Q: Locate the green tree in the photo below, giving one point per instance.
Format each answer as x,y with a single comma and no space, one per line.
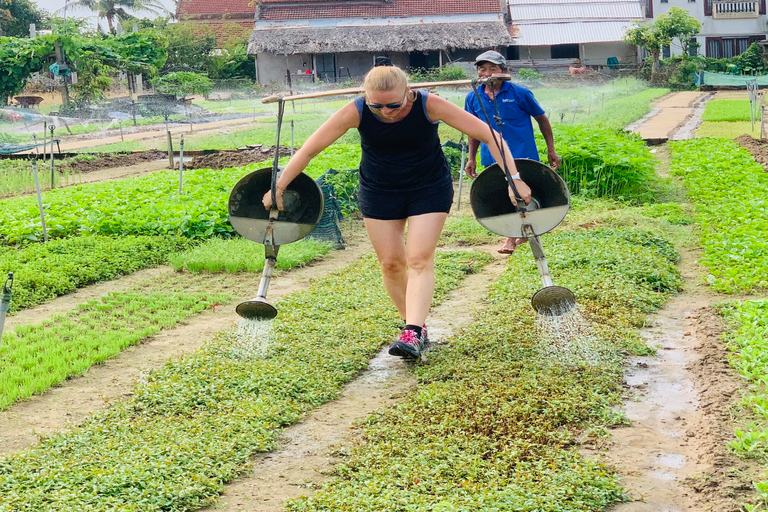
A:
17,15
676,24
113,10
182,83
187,51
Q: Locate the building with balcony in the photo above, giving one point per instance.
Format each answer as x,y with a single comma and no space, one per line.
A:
728,27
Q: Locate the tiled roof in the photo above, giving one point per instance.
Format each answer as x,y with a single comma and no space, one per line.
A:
273,10
197,8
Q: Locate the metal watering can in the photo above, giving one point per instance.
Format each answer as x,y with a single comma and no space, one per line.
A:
303,208
550,202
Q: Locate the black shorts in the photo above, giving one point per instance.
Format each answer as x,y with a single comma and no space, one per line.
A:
401,205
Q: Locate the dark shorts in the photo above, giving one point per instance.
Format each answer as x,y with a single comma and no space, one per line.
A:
401,205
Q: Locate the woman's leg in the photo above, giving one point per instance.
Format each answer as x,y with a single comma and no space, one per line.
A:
423,234
387,238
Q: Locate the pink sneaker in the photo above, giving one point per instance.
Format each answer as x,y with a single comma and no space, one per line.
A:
409,345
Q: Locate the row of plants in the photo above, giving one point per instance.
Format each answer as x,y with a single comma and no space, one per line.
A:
747,324
500,414
194,424
728,188
45,271
145,205
36,356
601,162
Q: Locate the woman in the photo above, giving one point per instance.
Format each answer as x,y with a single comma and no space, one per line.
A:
404,179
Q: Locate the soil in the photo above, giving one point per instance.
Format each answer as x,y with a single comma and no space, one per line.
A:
683,402
224,159
112,161
758,148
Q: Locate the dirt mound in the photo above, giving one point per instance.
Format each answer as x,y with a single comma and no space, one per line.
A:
758,148
111,161
224,159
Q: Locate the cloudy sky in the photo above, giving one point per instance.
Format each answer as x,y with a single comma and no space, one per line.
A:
54,5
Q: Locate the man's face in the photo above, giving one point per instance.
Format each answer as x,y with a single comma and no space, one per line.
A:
486,69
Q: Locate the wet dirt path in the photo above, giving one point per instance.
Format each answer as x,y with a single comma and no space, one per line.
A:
681,403
309,449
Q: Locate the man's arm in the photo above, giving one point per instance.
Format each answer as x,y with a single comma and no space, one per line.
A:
546,130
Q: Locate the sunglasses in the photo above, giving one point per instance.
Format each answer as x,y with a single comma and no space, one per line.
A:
379,106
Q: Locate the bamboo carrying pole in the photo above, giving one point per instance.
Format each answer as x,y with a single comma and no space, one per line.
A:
356,90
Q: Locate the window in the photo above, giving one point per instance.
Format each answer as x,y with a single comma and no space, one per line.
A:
665,52
564,51
693,47
727,47
513,53
664,1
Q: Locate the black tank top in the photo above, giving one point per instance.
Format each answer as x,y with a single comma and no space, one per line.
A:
402,155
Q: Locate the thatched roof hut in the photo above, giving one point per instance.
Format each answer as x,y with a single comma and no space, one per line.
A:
373,38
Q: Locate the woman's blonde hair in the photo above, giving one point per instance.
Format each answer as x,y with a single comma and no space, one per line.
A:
385,78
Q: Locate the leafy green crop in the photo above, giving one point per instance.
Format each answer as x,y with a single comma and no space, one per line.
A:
194,424
146,205
45,271
729,190
604,163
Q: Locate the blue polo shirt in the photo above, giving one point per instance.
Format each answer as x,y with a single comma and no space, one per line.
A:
516,107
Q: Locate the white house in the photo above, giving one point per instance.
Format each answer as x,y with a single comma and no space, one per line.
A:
728,27
554,33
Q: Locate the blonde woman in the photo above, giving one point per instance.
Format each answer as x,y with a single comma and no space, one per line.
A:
404,180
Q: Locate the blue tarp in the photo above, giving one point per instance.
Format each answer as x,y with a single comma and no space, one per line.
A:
7,148
722,79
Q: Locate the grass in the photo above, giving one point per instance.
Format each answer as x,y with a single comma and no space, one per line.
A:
726,110
194,424
241,255
727,129
17,177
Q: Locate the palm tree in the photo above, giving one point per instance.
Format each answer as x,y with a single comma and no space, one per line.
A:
116,9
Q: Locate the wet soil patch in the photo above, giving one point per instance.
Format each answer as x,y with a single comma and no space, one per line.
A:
758,148
727,485
225,159
110,161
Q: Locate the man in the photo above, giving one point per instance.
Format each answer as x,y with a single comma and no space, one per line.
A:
516,105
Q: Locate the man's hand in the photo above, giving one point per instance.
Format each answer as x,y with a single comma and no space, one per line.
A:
471,168
554,159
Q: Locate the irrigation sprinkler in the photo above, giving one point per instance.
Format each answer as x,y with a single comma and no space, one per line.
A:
461,167
45,138
5,301
39,200
53,184
292,138
181,164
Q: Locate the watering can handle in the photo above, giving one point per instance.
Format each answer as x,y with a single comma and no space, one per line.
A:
8,283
